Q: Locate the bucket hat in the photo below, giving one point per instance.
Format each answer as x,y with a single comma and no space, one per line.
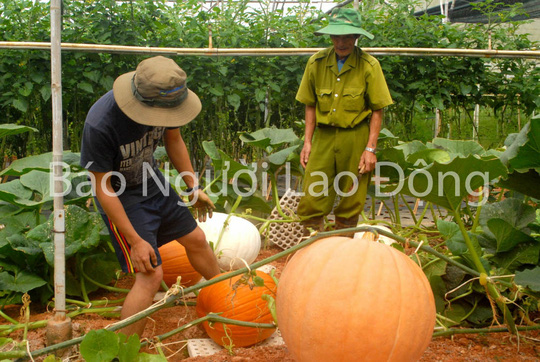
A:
342,22
156,94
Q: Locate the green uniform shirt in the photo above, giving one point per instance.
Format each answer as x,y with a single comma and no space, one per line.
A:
346,98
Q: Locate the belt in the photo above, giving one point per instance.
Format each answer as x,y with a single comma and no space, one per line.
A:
323,125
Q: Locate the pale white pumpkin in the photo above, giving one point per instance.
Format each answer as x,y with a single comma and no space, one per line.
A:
240,241
381,238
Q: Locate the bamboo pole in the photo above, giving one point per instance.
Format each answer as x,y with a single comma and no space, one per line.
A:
103,48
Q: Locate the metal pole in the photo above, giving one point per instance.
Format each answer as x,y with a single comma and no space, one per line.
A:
59,217
59,327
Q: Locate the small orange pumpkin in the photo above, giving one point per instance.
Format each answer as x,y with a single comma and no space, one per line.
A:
237,298
175,262
344,299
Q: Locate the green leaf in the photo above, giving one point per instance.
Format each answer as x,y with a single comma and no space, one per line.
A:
211,150
27,246
465,88
41,162
457,313
522,254
23,281
258,281
454,238
217,90
271,302
45,92
516,213
459,147
21,104
386,135
101,267
447,184
147,357
529,278
40,182
506,235
129,349
82,232
85,86
394,159
10,129
14,190
434,272
409,148
234,100
430,155
524,152
269,137
280,157
8,297
99,345
525,183
26,89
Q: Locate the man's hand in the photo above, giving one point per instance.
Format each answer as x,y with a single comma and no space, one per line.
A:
202,204
304,155
143,256
367,162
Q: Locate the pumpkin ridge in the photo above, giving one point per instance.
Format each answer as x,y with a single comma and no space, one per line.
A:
298,269
244,303
363,255
333,250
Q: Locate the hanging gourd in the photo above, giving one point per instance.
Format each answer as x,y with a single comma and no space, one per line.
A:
240,240
345,299
241,299
379,237
175,262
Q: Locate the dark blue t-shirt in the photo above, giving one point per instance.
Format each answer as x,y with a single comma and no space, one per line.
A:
113,142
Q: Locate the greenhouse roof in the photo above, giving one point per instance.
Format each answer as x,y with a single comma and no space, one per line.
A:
463,12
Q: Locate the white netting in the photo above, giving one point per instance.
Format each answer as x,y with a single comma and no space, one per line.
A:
287,234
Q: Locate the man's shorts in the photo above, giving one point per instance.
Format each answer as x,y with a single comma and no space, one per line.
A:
158,220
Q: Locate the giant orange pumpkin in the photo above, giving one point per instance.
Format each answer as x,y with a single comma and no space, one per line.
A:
237,298
175,262
344,299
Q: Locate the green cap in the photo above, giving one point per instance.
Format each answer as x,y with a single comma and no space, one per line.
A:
344,21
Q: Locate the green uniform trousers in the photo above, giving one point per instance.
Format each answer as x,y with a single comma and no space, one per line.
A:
331,171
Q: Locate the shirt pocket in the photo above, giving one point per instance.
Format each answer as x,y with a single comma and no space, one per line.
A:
353,99
324,99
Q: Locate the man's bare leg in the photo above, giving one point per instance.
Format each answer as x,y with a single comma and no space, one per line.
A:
139,298
200,253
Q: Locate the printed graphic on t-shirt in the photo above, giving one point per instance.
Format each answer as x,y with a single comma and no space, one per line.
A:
136,153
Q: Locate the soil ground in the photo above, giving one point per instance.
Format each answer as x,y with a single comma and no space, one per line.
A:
466,347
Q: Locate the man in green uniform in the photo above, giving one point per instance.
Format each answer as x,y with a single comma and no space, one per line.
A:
344,91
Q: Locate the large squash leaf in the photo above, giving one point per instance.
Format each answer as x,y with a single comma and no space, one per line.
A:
269,137
447,184
523,149
459,147
13,191
514,212
82,232
41,162
529,278
10,129
23,281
